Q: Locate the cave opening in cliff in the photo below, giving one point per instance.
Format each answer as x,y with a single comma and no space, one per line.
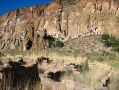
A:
29,45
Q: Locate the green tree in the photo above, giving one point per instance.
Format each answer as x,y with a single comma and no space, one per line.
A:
110,41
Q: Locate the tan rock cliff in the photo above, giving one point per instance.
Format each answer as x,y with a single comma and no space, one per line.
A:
25,28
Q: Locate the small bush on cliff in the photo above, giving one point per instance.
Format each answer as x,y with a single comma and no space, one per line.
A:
110,41
106,39
59,43
53,42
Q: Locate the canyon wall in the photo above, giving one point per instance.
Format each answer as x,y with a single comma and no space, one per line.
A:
24,29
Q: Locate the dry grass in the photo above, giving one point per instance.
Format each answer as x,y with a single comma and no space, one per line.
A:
7,85
89,78
114,84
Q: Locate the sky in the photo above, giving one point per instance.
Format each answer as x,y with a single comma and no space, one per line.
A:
9,5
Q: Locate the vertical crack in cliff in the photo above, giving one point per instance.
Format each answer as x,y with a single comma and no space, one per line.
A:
59,18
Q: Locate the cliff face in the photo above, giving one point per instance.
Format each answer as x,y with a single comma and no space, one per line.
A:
25,28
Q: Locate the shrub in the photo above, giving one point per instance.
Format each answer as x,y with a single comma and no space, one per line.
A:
82,68
69,72
59,43
106,39
53,42
116,49
110,41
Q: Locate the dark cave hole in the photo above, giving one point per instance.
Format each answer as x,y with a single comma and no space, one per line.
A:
29,45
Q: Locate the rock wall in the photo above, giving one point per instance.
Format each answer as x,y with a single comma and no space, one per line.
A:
24,29
87,17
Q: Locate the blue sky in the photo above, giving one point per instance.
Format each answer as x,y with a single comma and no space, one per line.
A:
9,5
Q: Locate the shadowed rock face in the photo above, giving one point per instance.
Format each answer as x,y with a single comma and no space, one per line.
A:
25,39
18,74
56,76
1,54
